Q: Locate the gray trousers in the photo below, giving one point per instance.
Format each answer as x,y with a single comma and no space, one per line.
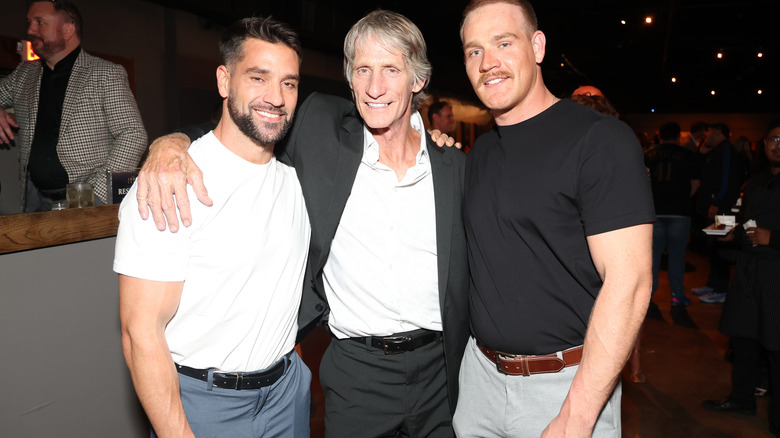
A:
279,410
369,394
491,404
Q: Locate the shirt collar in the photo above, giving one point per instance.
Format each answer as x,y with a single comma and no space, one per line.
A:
65,64
371,147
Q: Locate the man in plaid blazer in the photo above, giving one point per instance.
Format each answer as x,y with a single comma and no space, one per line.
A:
94,127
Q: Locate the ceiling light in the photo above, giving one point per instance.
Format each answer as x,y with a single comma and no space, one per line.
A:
648,20
712,92
760,54
719,55
760,91
674,80
622,21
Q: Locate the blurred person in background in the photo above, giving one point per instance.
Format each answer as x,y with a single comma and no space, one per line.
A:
82,121
440,117
751,313
696,137
674,179
722,176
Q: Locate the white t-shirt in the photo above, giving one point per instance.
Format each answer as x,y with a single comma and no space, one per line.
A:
242,262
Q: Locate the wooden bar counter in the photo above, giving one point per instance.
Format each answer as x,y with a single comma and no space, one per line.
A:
21,232
62,371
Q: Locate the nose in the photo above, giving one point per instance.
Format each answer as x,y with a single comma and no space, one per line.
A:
375,87
275,96
488,61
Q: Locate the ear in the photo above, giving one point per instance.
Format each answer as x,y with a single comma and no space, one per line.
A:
539,42
68,30
418,86
223,81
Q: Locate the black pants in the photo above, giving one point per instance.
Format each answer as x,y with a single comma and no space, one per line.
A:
371,394
747,355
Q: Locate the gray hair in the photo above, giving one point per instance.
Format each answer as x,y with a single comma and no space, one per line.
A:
396,33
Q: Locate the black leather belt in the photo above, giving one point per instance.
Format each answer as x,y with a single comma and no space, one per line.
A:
395,344
236,381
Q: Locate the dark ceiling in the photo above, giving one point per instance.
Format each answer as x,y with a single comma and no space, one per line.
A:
633,63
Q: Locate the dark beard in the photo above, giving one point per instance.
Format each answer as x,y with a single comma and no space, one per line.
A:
49,48
250,128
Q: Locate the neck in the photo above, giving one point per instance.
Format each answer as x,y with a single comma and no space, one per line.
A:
51,61
398,145
235,141
534,104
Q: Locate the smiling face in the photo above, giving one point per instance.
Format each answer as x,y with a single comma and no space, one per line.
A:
261,90
46,30
502,57
382,86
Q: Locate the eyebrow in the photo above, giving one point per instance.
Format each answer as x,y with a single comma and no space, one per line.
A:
265,71
492,39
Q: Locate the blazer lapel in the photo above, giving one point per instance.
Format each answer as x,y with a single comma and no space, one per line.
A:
34,82
78,78
444,187
350,152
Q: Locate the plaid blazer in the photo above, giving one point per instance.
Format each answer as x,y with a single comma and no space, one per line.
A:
101,128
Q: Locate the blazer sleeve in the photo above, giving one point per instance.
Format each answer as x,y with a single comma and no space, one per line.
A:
124,124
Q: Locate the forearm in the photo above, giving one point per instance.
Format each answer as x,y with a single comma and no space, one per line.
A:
614,324
156,383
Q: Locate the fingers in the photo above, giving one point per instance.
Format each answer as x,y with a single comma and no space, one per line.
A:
142,194
6,124
195,179
458,145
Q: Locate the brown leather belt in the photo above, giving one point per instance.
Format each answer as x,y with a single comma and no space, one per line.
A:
520,365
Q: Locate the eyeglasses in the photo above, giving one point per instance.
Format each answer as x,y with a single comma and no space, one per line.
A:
772,140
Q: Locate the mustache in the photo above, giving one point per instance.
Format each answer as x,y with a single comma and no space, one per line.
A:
501,74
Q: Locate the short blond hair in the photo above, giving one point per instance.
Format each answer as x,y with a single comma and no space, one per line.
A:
532,24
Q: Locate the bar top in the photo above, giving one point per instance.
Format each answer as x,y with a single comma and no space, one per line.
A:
22,232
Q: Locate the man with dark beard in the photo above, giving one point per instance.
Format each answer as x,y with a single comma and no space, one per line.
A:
76,114
209,314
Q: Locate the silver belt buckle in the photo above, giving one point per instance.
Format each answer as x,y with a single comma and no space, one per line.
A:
393,339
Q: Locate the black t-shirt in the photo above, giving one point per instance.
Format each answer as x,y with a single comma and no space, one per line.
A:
534,192
672,167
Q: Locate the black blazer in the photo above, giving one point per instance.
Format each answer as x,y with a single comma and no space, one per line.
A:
325,146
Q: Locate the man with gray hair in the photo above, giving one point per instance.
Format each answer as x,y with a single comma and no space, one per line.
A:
388,248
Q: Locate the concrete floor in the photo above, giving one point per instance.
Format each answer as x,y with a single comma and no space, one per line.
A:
682,356
683,359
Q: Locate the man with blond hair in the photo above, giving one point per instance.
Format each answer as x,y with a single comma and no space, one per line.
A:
558,216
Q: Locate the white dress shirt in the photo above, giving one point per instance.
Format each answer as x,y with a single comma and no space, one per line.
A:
381,276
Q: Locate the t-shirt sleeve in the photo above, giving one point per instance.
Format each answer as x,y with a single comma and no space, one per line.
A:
614,189
144,252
